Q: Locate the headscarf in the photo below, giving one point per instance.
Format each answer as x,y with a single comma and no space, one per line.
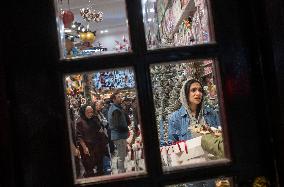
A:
185,102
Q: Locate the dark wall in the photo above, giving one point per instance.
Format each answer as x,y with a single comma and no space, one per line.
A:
273,70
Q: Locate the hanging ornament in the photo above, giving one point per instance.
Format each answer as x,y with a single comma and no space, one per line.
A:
90,14
83,36
188,22
68,18
90,37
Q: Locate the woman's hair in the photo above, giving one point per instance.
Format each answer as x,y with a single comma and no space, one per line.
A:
187,90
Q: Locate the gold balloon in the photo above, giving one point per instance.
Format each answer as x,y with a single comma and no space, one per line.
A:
83,36
90,37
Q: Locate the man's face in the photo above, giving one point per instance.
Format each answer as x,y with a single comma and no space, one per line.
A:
99,105
118,99
89,112
195,94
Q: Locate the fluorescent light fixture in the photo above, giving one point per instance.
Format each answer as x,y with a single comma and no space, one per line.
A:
106,30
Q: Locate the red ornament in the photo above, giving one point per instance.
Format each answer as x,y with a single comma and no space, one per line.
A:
68,18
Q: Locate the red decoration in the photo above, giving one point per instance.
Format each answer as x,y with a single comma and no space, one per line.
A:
68,18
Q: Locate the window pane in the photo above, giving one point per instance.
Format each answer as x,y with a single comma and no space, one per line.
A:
104,125
172,23
186,98
221,182
92,27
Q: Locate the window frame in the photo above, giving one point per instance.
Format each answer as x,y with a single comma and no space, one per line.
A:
140,59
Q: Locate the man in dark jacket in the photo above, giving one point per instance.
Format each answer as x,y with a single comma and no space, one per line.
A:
119,129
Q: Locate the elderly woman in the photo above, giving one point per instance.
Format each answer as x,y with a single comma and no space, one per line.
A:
192,113
92,141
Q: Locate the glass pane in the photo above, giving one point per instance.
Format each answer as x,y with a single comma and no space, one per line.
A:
92,27
187,98
104,125
172,23
220,182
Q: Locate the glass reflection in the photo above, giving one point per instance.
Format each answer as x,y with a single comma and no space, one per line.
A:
172,23
92,27
103,116
187,112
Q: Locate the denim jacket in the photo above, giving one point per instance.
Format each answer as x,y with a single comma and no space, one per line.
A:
179,122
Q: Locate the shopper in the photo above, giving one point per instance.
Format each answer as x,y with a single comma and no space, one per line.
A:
74,144
119,129
103,120
191,114
92,141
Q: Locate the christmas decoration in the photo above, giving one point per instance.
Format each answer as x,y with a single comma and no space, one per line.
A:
187,22
261,181
166,84
90,14
122,46
67,17
90,37
83,36
222,182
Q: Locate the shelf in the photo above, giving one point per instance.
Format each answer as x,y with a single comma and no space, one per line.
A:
178,15
186,11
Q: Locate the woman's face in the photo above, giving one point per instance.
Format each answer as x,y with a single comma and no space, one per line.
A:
195,94
89,112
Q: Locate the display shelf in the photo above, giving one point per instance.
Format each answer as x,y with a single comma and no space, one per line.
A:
186,11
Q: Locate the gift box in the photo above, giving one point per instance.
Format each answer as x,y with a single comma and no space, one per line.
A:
194,147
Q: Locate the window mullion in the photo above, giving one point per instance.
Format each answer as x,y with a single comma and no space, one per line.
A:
136,26
152,151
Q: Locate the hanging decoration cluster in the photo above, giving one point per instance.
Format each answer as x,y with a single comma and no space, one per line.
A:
90,14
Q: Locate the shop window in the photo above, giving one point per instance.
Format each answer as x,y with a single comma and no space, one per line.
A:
188,113
104,125
173,23
220,182
92,27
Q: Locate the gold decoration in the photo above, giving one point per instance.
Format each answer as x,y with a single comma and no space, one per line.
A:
261,181
90,37
223,182
83,36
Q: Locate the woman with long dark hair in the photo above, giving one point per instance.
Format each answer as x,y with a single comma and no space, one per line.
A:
192,113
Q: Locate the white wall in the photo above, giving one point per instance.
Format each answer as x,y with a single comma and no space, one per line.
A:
108,39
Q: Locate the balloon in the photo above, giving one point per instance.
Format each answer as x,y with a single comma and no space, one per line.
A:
68,18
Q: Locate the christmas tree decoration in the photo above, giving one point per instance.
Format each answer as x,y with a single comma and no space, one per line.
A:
122,46
90,14
90,37
68,18
166,84
83,36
